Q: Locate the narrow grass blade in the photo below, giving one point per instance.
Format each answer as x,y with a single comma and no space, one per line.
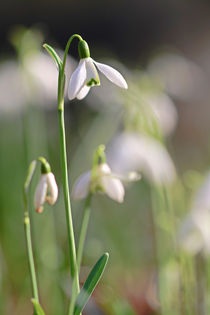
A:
90,283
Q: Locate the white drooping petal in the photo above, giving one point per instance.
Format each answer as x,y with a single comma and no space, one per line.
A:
113,188
202,198
164,110
189,236
40,193
83,92
52,189
133,152
92,77
77,80
104,169
202,222
82,186
113,75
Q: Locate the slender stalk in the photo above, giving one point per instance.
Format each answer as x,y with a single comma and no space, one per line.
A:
64,168
71,240
83,231
81,242
27,229
67,49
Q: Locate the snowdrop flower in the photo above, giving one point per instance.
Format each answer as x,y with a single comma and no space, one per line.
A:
142,154
102,179
47,189
86,74
194,233
164,110
181,77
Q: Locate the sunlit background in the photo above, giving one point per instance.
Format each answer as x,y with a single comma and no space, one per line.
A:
159,127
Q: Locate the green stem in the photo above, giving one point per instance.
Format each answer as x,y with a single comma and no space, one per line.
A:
71,240
27,227
81,242
67,49
83,231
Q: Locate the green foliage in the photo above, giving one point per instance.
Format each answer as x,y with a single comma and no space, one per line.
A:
90,283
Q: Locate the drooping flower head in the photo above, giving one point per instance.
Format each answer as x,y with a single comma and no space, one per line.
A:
47,189
102,180
86,75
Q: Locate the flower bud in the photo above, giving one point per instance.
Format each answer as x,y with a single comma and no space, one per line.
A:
47,189
83,49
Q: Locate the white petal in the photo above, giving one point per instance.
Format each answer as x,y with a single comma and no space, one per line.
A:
52,189
92,74
81,187
77,80
112,74
83,92
104,169
189,236
113,188
40,193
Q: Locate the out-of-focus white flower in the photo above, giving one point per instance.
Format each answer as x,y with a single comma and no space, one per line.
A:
194,233
104,181
33,83
86,76
202,198
143,154
164,110
46,191
181,77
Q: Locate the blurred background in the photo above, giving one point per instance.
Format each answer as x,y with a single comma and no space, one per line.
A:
162,48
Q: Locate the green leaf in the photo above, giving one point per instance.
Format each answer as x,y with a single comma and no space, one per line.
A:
37,308
90,283
54,55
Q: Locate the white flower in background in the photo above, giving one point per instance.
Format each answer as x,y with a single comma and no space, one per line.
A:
143,154
46,191
103,181
86,74
164,111
181,77
194,233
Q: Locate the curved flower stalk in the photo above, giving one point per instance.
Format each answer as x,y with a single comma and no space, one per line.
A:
194,232
86,74
144,155
102,180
